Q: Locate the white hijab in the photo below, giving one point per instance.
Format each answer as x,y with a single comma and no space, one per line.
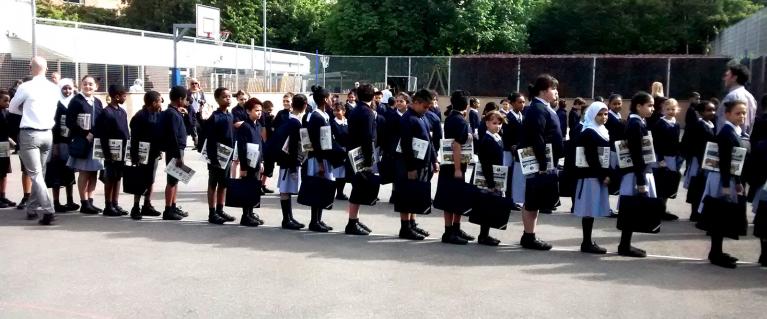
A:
589,120
64,82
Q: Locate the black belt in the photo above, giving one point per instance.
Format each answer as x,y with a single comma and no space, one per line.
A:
33,129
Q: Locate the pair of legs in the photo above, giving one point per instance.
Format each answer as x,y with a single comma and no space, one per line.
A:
718,257
216,196
409,228
171,212
288,222
588,245
112,197
453,233
354,226
86,184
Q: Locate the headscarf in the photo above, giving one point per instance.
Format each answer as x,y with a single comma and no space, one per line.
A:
589,120
65,99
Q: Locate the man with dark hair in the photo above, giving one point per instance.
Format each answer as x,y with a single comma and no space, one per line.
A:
174,143
734,79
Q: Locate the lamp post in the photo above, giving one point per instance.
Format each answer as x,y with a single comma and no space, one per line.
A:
34,23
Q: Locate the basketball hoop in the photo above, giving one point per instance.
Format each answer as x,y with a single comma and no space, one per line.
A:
222,37
325,60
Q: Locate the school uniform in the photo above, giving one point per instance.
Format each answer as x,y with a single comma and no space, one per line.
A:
289,179
512,136
5,132
340,130
62,175
697,134
363,131
414,125
490,152
219,131
617,129
193,119
641,173
665,135
113,125
481,130
591,194
267,122
474,120
562,115
239,114
317,157
729,137
173,137
281,117
573,120
456,128
434,120
83,105
145,127
541,127
249,133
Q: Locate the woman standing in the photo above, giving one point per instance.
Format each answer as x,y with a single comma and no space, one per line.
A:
82,114
591,194
638,180
62,175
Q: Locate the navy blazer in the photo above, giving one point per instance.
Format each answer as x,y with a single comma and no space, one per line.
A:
391,131
340,133
413,125
362,131
666,139
218,130
145,127
315,122
174,132
590,140
727,139
61,110
573,119
434,120
112,124
636,129
562,114
249,133
512,132
617,129
239,114
78,105
490,153
541,127
281,117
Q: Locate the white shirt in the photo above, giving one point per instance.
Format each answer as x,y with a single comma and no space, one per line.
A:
738,94
36,101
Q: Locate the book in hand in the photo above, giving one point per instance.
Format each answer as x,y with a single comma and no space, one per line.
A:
84,121
420,147
357,160
5,149
223,154
183,173
711,159
63,126
116,150
306,144
253,153
580,157
624,155
326,138
128,159
500,176
446,149
98,152
143,153
530,164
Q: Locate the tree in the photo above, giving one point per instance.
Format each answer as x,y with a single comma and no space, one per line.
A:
633,26
158,16
47,9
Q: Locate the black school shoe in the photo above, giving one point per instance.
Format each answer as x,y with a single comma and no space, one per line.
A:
410,234
148,210
317,227
529,241
216,218
763,260
452,237
110,211
592,248
88,209
120,210
669,217
10,203
72,207
325,225
363,226
180,212
418,230
58,208
291,225
631,251
267,190
355,229
462,234
135,213
249,220
22,203
171,214
226,216
723,260
47,220
488,241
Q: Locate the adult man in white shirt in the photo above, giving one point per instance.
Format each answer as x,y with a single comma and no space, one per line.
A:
36,102
735,78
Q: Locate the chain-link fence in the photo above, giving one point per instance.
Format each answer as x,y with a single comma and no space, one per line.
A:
122,56
745,39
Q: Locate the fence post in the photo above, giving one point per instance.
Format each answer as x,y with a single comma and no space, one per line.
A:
236,66
519,73
668,78
593,76
386,71
106,76
409,62
449,74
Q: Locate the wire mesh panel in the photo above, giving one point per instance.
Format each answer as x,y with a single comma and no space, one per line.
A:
430,73
343,71
627,75
697,75
484,76
573,73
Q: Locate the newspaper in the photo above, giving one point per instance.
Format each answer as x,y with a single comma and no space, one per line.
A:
624,156
420,147
326,138
128,159
530,163
223,154
143,153
467,151
204,152
235,154
84,121
580,157
63,126
116,150
254,152
306,144
357,160
98,153
5,149
711,159
500,176
183,173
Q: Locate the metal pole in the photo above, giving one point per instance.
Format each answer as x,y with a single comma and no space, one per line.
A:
263,7
668,78
253,56
386,71
519,73
236,66
34,24
593,76
317,63
449,74
409,65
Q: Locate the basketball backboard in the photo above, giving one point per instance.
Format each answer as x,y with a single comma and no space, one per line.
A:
208,22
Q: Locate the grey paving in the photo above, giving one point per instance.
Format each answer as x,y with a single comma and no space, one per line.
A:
99,267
